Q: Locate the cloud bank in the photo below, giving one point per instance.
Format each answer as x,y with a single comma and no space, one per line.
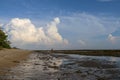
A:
22,32
87,25
82,30
96,32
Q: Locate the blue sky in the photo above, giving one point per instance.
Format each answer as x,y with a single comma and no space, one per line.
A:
46,8
79,24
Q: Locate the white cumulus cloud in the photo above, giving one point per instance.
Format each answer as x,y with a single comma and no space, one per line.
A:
23,31
111,38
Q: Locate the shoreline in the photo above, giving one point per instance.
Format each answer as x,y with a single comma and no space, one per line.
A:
11,57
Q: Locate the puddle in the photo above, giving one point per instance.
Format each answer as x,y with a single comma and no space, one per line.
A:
42,66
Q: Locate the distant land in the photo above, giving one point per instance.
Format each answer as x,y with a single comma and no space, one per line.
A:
85,52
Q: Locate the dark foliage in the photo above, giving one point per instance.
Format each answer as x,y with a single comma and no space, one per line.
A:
4,43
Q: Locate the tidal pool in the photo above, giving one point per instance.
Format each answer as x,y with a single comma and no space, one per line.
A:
44,66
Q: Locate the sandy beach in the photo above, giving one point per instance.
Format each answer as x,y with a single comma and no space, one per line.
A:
11,57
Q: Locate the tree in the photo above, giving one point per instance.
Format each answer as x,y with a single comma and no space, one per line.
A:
4,43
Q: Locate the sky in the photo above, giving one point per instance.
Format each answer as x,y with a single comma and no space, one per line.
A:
61,24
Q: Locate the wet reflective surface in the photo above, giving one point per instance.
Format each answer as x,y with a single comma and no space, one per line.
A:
43,66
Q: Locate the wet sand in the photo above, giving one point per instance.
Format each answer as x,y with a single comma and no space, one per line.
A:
11,57
45,66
